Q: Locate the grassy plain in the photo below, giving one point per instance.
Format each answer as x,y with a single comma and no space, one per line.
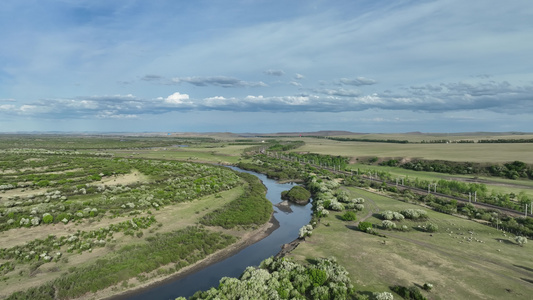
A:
419,137
496,268
171,218
492,153
224,154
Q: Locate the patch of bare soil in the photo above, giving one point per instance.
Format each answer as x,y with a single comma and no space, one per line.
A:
126,179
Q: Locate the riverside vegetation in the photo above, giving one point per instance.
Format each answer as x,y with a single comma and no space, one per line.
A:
82,203
348,223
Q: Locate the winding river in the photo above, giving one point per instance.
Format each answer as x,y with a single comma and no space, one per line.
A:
290,219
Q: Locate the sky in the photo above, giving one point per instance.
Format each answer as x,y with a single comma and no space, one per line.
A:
266,66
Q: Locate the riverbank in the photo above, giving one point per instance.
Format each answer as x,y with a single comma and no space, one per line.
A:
120,292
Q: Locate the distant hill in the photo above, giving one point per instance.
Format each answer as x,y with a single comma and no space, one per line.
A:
313,133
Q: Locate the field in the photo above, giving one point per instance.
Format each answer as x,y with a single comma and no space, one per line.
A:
496,153
464,259
63,211
68,202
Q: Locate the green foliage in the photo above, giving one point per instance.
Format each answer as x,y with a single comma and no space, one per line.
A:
318,277
430,227
349,216
296,194
251,208
281,278
47,218
427,286
410,293
363,226
184,246
511,170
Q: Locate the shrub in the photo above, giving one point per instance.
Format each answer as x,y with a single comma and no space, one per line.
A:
383,296
386,215
296,194
408,293
48,218
414,214
520,240
364,226
386,224
305,231
349,216
430,227
427,286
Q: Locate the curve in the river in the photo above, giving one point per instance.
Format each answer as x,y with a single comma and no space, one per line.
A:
290,221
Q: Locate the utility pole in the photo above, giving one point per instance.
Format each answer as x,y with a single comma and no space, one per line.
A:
429,186
526,211
469,197
475,196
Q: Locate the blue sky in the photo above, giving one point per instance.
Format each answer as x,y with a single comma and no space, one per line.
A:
266,66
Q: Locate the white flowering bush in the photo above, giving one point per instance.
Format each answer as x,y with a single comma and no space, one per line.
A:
387,224
386,215
305,231
414,214
430,227
358,200
382,296
521,240
337,206
359,207
392,215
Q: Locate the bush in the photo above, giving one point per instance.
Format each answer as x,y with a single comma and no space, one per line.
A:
414,214
427,286
364,226
349,216
520,240
430,227
412,293
48,218
296,194
383,296
386,224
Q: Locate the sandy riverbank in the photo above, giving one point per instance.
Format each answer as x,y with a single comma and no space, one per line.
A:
118,292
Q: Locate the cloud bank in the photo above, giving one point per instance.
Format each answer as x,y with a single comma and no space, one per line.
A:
446,97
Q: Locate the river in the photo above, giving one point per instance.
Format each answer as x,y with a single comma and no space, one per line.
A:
290,219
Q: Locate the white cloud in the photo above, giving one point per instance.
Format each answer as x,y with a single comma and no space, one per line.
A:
177,98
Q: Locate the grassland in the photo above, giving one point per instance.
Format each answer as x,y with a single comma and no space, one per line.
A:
494,153
85,207
458,268
220,154
496,268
